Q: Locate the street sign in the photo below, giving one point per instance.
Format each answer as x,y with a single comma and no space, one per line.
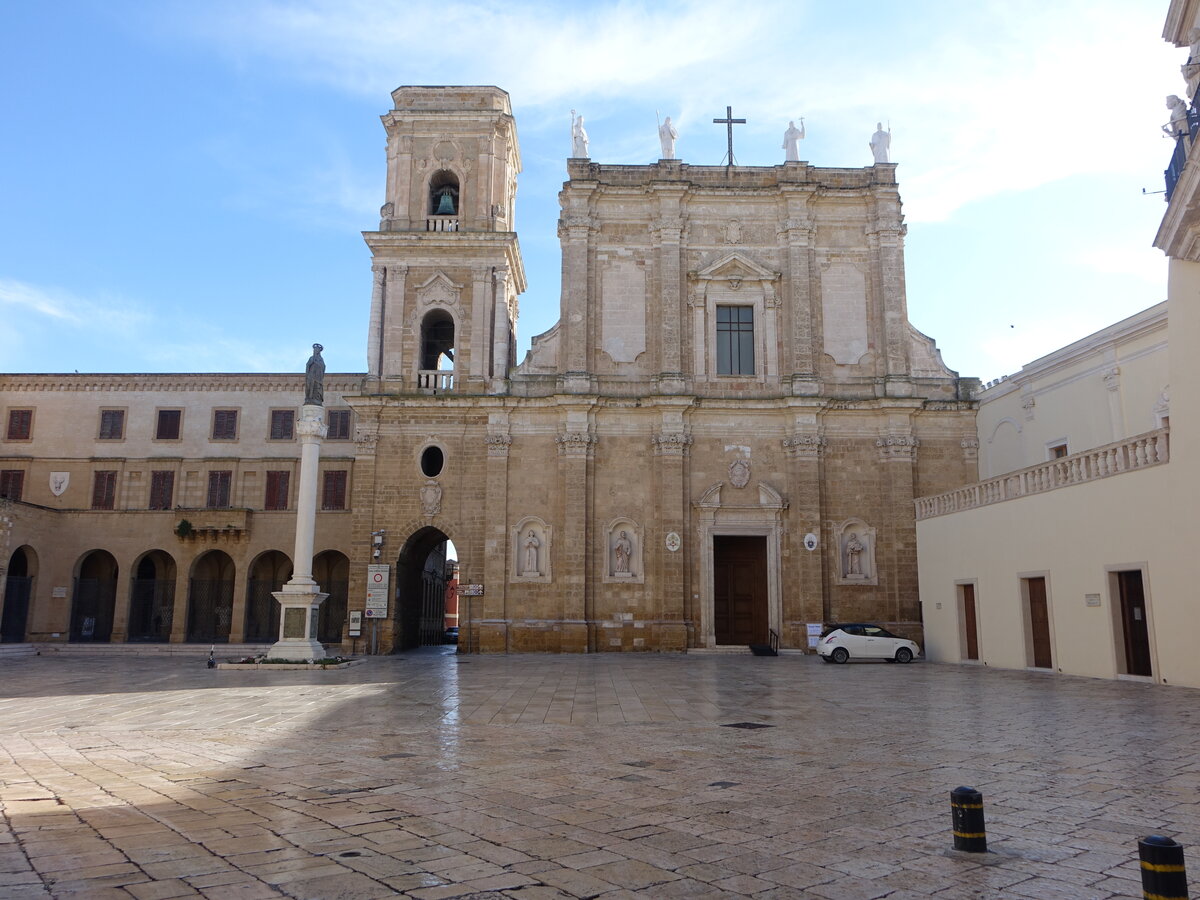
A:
378,579
470,590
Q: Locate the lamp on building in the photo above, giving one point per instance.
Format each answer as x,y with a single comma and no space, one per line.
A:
377,542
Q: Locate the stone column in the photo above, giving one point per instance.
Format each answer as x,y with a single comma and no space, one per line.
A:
576,278
392,343
502,331
799,297
670,236
301,597
896,551
375,328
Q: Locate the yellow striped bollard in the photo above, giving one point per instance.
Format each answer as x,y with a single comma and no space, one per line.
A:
966,811
1163,873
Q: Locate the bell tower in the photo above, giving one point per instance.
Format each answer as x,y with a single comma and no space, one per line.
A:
446,264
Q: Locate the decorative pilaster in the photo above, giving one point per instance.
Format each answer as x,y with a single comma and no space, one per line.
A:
392,323
502,331
375,327
576,449
797,289
486,618
670,577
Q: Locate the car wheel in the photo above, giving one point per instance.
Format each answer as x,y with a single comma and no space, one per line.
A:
903,655
839,654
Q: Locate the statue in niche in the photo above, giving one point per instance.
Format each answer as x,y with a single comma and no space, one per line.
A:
854,551
1178,126
623,550
881,142
531,544
666,137
314,378
791,141
579,138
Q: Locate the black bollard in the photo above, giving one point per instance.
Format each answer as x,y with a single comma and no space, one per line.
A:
1163,873
966,811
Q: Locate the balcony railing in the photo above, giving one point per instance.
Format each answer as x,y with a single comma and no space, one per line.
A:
1129,455
1180,154
435,381
441,223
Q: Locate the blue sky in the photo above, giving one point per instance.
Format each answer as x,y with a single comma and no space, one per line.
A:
183,185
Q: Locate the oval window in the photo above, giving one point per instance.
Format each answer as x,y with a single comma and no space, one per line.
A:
432,461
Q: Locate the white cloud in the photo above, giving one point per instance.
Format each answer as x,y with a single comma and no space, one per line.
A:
64,308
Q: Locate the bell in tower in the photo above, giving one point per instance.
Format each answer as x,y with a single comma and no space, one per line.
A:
445,204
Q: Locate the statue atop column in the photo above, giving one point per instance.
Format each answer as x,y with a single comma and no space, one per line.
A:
314,378
791,141
881,142
579,138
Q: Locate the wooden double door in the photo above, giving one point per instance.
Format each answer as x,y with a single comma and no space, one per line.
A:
740,589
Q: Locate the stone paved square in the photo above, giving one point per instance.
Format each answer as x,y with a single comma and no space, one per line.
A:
434,775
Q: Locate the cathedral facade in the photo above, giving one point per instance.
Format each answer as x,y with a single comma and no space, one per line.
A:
719,443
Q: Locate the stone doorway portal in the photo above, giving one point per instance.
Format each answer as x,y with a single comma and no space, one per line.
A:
740,589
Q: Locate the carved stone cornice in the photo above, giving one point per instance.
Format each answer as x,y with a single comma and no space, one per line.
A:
897,446
278,383
671,443
805,446
575,443
497,444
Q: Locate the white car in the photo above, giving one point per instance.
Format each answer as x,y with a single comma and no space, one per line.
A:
861,641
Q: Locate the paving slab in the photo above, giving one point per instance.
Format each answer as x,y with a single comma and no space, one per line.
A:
435,775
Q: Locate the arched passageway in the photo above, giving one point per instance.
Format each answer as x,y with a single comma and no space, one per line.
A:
421,578
152,599
210,598
94,598
268,574
18,591
331,570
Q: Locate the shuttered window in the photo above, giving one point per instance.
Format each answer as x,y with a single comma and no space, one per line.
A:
20,424
339,424
277,490
219,484
224,424
12,483
162,489
283,423
112,424
167,426
333,490
104,490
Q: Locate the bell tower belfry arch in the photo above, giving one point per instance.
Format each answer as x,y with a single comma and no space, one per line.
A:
446,265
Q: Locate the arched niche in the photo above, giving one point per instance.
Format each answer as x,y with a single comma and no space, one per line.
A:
152,598
94,598
623,552
331,570
268,573
210,598
855,545
531,539
18,594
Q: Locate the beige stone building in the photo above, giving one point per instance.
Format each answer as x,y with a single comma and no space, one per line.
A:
733,392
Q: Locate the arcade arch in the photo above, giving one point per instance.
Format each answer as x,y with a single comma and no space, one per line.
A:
210,598
94,598
420,591
268,573
152,598
18,589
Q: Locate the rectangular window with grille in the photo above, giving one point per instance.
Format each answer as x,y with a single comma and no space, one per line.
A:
166,428
162,489
283,422
224,425
339,425
104,490
735,340
333,490
20,424
12,483
220,485
277,490
112,424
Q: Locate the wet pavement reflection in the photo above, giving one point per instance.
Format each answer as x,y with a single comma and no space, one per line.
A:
437,775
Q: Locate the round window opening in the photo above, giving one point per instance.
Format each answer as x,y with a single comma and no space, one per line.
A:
432,461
